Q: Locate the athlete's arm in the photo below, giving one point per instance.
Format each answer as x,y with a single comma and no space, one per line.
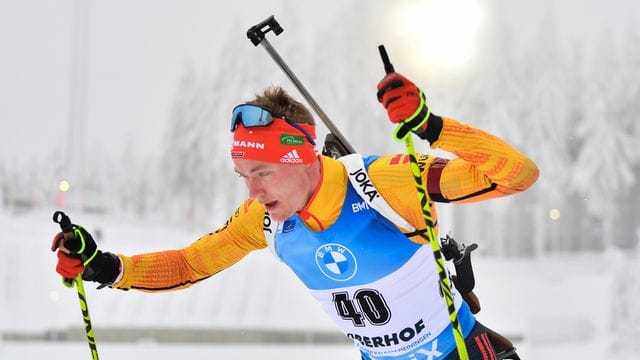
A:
177,269
485,167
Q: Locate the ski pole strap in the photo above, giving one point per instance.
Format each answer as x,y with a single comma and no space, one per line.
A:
443,279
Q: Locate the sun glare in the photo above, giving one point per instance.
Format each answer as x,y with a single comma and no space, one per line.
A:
63,185
442,33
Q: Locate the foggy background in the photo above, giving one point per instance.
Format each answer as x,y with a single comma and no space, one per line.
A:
129,103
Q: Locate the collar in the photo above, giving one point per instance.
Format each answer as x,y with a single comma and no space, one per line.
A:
325,204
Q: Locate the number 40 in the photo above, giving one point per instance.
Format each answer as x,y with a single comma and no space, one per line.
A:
372,306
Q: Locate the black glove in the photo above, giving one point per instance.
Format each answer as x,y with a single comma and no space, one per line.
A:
78,252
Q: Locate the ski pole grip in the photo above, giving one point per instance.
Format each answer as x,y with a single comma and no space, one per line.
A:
388,67
257,32
63,220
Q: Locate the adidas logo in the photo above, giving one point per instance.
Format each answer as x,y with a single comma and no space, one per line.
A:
291,157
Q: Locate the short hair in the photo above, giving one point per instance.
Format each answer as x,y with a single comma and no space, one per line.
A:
277,100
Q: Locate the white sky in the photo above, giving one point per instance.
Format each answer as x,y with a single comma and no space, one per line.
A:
138,50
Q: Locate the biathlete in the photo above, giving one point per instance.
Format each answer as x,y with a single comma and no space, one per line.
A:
351,229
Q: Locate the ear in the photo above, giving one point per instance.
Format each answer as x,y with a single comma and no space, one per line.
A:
314,169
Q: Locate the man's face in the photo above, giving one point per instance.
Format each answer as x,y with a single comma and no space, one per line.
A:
283,189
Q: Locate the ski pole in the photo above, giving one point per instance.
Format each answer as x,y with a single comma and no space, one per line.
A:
425,203
257,34
63,220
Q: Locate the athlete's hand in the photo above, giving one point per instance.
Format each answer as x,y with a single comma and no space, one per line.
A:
399,96
79,254
405,103
69,266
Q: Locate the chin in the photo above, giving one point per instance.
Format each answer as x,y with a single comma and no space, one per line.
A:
279,216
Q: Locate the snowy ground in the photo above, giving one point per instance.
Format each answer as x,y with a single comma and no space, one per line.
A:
172,352
307,352
561,307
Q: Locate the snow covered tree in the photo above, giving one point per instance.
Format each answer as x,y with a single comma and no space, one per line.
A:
607,168
196,168
189,148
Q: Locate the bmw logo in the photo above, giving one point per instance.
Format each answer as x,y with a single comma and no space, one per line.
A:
336,262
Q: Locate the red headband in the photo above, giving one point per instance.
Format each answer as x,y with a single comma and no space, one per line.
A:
278,142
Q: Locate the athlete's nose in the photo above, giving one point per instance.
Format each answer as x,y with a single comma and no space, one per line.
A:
256,190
